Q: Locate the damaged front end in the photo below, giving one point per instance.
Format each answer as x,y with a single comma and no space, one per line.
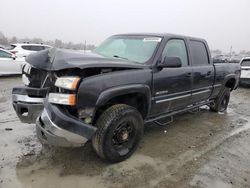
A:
59,124
49,97
51,105
28,100
57,127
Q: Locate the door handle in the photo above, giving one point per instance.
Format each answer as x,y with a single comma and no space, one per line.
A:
189,74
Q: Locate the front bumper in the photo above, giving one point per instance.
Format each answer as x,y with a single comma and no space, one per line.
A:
28,103
56,127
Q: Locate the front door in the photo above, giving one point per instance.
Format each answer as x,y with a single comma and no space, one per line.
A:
172,86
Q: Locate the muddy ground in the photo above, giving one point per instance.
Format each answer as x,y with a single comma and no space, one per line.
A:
201,149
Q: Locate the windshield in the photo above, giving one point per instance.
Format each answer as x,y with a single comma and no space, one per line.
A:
245,63
138,49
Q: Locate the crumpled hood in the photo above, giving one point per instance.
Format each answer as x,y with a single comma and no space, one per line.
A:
57,59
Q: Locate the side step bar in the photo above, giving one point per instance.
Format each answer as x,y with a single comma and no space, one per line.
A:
165,123
171,114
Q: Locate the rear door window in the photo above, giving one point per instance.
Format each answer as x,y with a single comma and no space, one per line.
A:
26,47
37,48
199,53
33,47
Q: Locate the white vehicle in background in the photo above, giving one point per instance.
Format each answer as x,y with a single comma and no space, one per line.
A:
24,49
245,71
9,63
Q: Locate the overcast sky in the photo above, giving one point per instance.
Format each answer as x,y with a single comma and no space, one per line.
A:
222,22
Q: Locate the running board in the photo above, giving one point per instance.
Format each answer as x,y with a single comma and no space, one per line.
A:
195,110
165,123
171,114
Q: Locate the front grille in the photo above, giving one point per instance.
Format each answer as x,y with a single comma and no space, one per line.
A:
36,77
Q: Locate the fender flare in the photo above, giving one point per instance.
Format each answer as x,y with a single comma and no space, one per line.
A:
110,93
227,78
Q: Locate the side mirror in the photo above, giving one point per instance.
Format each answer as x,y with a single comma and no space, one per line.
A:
170,62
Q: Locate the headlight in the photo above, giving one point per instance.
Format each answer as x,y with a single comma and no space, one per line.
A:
67,82
26,67
66,99
25,80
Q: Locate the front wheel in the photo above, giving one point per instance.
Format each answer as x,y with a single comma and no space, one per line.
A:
221,102
119,131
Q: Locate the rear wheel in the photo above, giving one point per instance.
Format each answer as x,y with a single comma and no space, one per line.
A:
119,131
221,102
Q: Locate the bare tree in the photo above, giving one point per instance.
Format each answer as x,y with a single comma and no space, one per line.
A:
3,39
13,40
56,43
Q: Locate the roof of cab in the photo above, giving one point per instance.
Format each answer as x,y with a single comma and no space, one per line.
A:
160,35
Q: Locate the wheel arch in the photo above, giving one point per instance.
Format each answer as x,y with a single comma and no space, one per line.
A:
136,95
230,82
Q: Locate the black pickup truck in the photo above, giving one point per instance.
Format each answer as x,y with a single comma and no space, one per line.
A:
107,96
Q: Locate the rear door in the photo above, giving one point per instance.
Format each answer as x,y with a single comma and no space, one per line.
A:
172,86
203,71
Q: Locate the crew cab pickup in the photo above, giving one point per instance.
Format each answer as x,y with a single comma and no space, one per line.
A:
107,96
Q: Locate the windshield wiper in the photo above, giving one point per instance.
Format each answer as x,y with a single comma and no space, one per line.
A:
117,56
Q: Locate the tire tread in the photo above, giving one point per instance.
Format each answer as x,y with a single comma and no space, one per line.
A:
103,123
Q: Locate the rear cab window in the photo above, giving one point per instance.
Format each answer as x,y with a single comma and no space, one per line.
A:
199,53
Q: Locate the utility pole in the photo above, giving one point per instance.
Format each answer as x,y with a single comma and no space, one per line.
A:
231,51
84,48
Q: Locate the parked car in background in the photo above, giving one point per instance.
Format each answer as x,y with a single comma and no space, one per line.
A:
9,63
245,71
24,49
235,59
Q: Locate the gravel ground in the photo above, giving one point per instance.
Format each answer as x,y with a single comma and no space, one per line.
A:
201,149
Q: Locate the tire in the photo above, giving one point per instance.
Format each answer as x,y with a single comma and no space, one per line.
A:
221,102
119,131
